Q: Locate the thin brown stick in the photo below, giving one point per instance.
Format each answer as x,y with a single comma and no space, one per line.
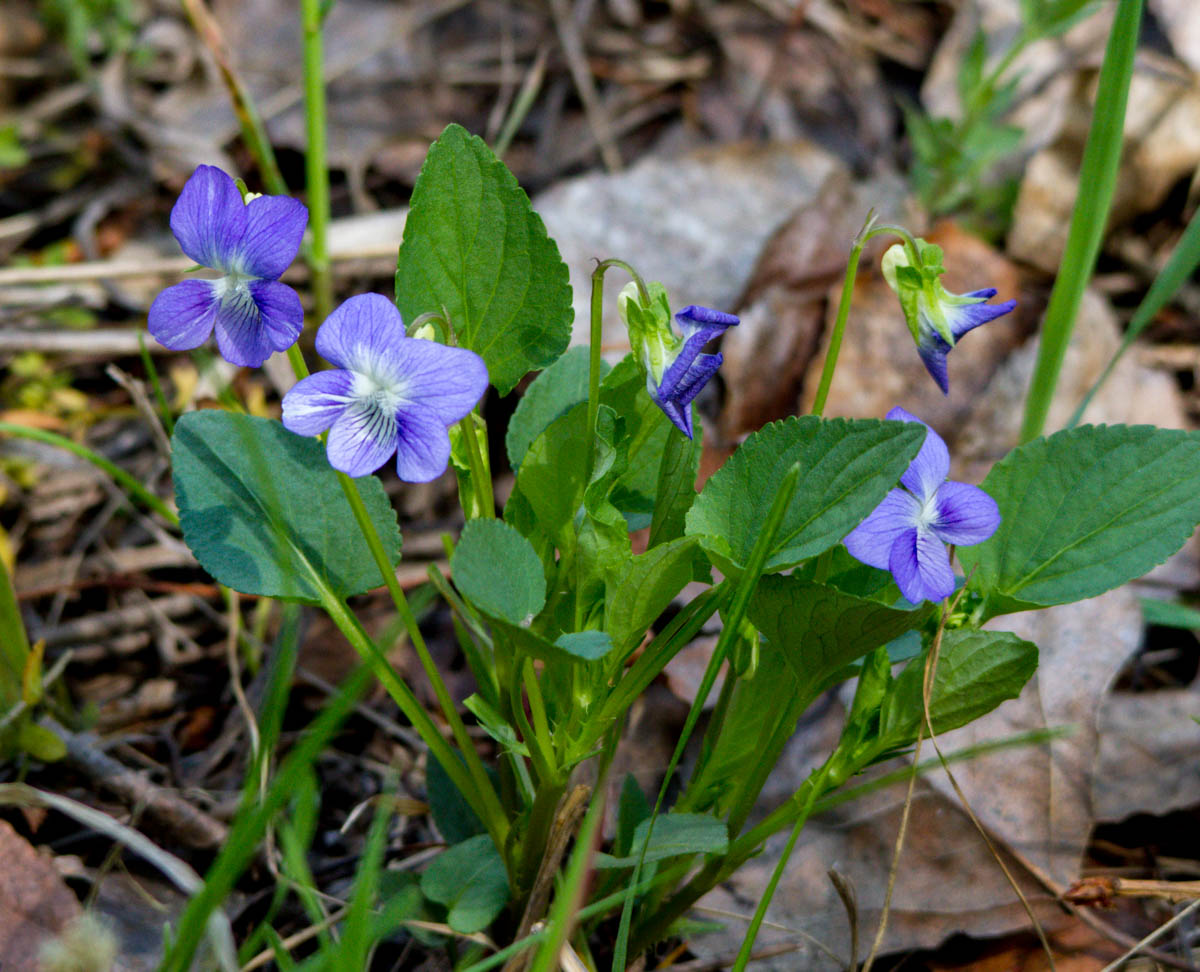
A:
566,820
1161,930
927,691
572,45
94,270
190,825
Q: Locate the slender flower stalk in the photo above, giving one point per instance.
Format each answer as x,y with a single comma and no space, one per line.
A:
869,231
316,166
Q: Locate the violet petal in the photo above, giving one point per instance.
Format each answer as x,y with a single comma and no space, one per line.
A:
209,218
966,317
423,448
921,566
872,540
448,382
241,338
274,227
965,514
362,439
182,316
360,331
314,403
281,315
932,464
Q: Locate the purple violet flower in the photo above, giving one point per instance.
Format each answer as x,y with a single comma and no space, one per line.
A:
932,347
907,533
390,393
689,370
250,244
674,367
936,317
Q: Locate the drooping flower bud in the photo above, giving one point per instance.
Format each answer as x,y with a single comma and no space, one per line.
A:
936,317
674,367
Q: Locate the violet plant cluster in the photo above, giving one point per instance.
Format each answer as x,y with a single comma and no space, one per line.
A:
818,544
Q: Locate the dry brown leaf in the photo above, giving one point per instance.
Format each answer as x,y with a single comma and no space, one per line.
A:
1147,760
1162,146
35,905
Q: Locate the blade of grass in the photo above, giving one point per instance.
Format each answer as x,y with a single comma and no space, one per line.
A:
250,825
164,407
118,475
1179,268
1097,180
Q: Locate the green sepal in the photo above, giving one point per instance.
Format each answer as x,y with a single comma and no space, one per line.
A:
468,495
649,325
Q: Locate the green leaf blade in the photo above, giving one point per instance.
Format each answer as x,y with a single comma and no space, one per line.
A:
474,247
553,393
1083,512
977,670
264,513
674,835
820,630
469,879
847,467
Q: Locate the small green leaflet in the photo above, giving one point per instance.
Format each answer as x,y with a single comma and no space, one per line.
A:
470,880
474,248
498,571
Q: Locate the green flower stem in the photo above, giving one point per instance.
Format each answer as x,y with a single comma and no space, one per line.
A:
743,956
296,359
541,753
315,163
482,782
1097,182
868,232
839,329
537,831
479,469
595,338
744,589
131,486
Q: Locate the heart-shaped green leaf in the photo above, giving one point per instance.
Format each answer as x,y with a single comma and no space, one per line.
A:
263,511
1084,511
